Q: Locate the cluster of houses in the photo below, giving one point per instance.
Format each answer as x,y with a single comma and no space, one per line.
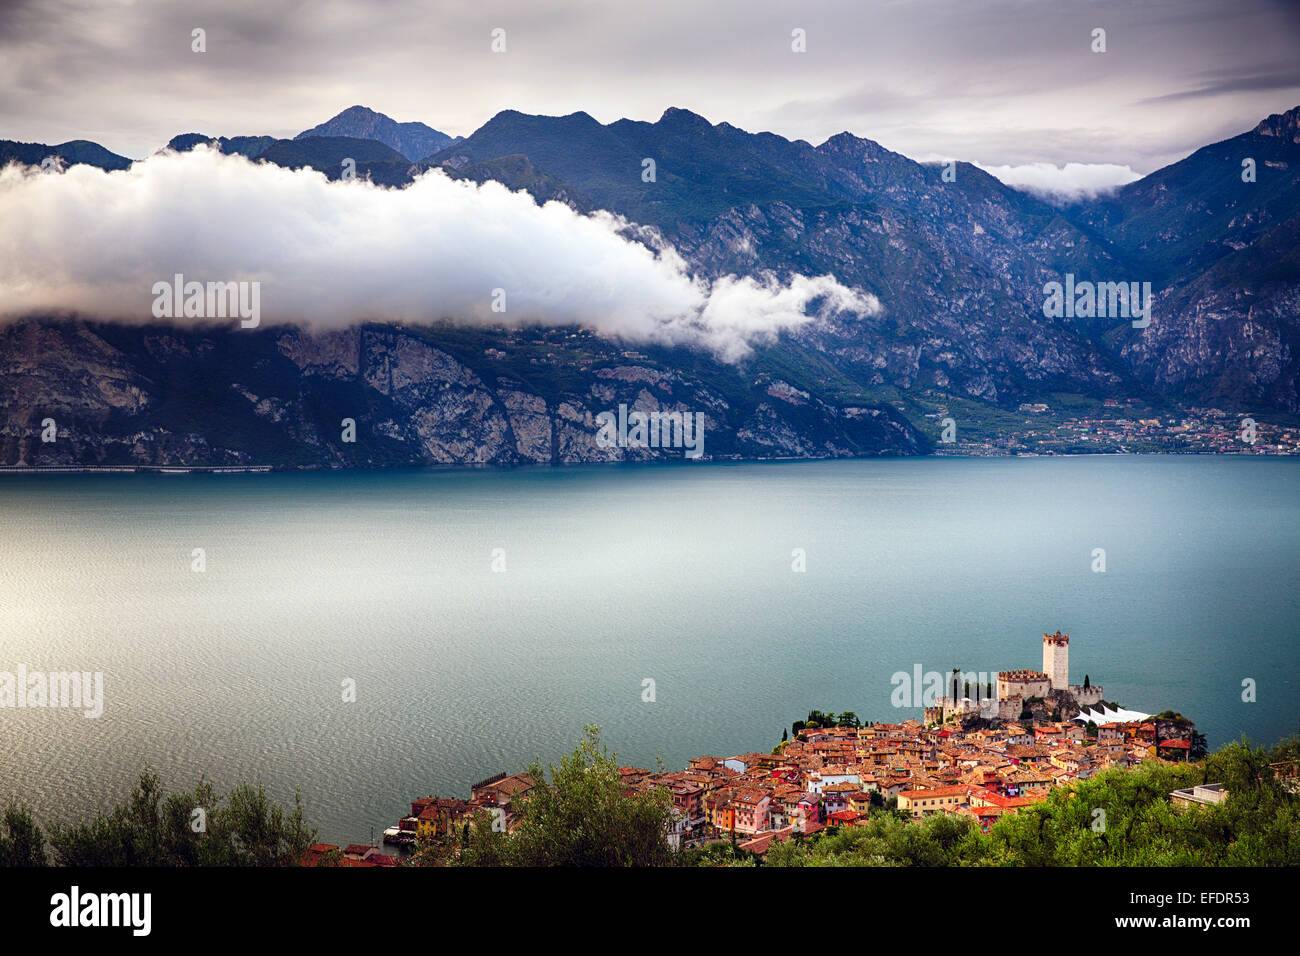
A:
433,817
977,759
974,759
832,776
829,777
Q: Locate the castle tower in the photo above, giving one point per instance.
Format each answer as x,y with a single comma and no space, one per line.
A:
1056,659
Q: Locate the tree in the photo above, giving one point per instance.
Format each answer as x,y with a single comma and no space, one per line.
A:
1086,682
249,829
332,857
578,814
818,719
1200,746
481,844
194,828
21,841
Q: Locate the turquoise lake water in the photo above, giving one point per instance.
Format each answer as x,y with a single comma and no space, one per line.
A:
613,575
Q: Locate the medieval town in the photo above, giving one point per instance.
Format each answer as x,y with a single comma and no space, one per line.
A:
978,758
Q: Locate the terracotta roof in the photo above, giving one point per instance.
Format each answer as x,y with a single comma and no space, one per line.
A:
936,792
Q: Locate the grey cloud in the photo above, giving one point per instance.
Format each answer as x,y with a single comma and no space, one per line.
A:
1004,82
1064,184
435,250
1287,78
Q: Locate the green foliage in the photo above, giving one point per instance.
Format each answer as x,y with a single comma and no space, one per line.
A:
332,857
243,828
578,814
1200,746
830,719
718,853
480,845
886,840
21,841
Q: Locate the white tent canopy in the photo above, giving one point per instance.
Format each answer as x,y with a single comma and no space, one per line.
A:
1108,716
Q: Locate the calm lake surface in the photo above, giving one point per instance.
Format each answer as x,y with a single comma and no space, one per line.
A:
681,574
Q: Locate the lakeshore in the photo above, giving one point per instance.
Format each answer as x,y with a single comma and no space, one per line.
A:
833,776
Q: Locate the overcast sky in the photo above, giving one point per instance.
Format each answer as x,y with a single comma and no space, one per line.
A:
998,82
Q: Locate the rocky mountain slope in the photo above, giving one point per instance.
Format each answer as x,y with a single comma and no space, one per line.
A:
959,267
123,394
1218,233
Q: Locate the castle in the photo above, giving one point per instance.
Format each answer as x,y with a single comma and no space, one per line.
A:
1056,659
1016,687
1056,664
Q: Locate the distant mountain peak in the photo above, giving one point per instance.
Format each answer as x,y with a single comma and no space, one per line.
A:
413,140
1282,125
677,116
250,146
184,142
845,140
846,143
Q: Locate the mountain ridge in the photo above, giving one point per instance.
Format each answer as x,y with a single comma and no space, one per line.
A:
960,268
72,152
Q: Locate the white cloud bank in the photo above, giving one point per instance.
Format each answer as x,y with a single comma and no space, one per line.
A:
331,253
1064,184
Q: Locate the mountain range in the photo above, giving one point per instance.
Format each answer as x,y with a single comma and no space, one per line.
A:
958,259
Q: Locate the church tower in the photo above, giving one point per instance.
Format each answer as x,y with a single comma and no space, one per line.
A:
1056,660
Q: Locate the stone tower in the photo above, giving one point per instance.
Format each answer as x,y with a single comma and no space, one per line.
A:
1056,660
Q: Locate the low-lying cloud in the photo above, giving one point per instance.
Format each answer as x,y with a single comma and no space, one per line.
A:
328,254
1073,182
